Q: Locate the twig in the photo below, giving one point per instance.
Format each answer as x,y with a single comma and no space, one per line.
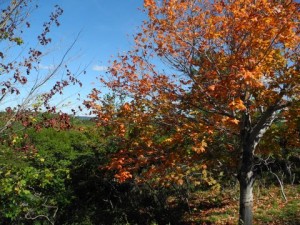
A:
281,185
27,216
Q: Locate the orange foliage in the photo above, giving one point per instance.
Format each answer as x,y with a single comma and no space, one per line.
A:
231,60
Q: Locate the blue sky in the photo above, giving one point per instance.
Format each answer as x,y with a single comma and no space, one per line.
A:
105,24
106,28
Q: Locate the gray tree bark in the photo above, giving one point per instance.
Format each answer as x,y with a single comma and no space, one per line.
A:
246,178
246,203
250,137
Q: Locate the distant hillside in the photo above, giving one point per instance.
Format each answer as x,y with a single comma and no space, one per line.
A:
84,117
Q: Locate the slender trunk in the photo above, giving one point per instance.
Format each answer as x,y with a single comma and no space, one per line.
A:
251,135
246,201
246,179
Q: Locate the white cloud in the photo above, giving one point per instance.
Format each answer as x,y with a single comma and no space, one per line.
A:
100,68
46,67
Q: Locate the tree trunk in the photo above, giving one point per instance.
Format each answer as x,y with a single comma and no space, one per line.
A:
246,178
246,199
250,137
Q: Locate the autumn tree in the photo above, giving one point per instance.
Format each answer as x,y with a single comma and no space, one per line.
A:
23,80
26,94
230,67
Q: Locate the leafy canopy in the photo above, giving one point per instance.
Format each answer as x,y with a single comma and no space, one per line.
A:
235,69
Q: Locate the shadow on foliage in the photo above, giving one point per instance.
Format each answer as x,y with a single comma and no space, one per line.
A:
98,199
